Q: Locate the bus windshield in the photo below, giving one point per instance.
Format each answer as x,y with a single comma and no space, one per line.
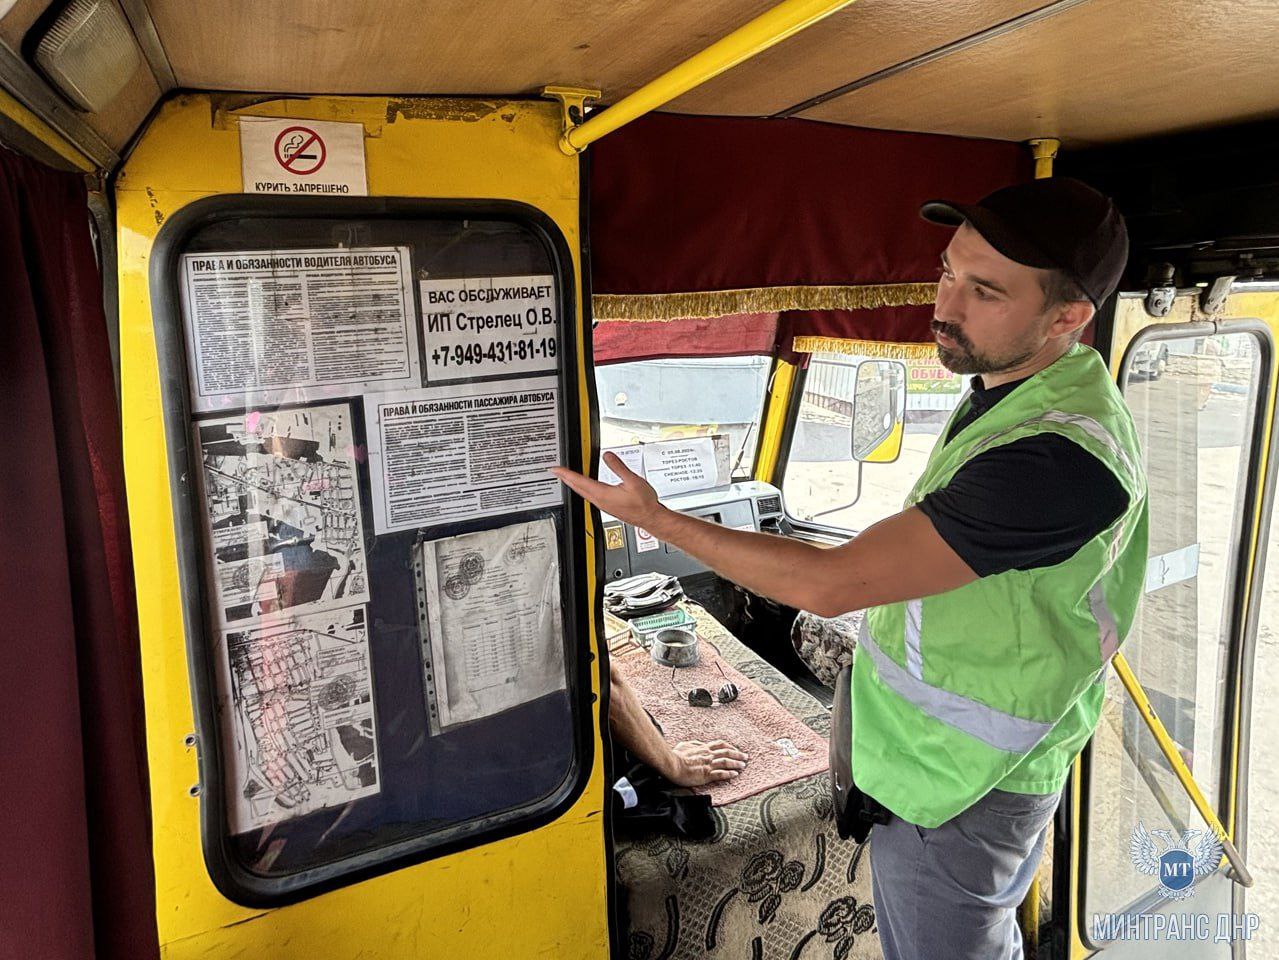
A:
646,400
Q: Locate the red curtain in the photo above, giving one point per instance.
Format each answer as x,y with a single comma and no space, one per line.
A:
76,879
691,204
740,335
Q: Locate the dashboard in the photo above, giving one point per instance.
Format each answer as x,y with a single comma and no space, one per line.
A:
748,505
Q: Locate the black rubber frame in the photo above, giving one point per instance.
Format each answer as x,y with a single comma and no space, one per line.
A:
231,878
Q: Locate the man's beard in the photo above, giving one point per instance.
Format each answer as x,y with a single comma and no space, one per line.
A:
963,358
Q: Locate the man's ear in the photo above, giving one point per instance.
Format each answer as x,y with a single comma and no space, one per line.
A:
1071,317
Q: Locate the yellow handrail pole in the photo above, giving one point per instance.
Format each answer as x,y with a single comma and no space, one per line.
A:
1044,150
769,28
1028,919
774,424
1169,749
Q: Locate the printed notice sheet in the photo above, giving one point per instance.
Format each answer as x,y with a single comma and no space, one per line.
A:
283,511
453,453
675,466
682,466
278,326
298,717
493,635
632,457
489,326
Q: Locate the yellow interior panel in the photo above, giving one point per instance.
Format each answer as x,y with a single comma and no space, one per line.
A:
542,893
773,428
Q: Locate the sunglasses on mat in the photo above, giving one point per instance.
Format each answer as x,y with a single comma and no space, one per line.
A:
701,697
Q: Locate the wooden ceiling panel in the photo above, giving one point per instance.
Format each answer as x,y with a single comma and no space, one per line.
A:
856,42
445,47
15,24
1104,71
1093,72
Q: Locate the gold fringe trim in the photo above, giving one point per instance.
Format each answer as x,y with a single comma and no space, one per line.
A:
876,349
723,303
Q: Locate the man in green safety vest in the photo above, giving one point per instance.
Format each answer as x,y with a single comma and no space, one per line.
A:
995,599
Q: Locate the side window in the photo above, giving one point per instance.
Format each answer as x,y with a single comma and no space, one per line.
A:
379,574
642,401
1195,401
823,485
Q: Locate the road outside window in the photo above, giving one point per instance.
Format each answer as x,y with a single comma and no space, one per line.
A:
823,485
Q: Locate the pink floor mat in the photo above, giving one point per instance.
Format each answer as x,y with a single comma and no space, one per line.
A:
781,748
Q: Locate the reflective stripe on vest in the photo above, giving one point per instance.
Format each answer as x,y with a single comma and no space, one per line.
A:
914,627
1003,731
1107,628
1087,424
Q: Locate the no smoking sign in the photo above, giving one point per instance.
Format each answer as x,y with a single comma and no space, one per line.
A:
315,157
300,150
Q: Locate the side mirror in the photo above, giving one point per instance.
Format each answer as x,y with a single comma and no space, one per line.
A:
879,411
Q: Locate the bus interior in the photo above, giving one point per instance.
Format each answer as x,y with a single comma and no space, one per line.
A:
309,656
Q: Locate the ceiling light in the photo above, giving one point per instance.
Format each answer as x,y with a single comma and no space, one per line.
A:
89,53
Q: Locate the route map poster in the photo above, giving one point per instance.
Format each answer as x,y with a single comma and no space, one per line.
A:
283,512
301,734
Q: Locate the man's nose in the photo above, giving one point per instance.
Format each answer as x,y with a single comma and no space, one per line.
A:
948,308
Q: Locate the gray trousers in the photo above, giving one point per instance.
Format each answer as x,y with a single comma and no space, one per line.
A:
952,892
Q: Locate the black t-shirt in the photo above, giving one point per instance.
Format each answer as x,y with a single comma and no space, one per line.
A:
1022,505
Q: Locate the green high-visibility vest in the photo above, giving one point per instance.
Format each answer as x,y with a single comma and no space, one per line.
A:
1000,682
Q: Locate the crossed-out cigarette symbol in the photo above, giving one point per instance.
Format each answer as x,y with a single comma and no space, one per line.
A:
299,150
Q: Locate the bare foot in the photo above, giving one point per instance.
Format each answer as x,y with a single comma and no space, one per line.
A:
697,763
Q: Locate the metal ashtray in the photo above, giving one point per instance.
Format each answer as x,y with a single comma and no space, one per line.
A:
674,647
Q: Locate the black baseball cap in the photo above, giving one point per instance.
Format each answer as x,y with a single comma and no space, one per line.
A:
1053,223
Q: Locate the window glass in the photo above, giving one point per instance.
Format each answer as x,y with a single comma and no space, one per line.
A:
1193,401
823,484
381,564
642,401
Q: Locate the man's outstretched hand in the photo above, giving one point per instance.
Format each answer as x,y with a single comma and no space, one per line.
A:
633,500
